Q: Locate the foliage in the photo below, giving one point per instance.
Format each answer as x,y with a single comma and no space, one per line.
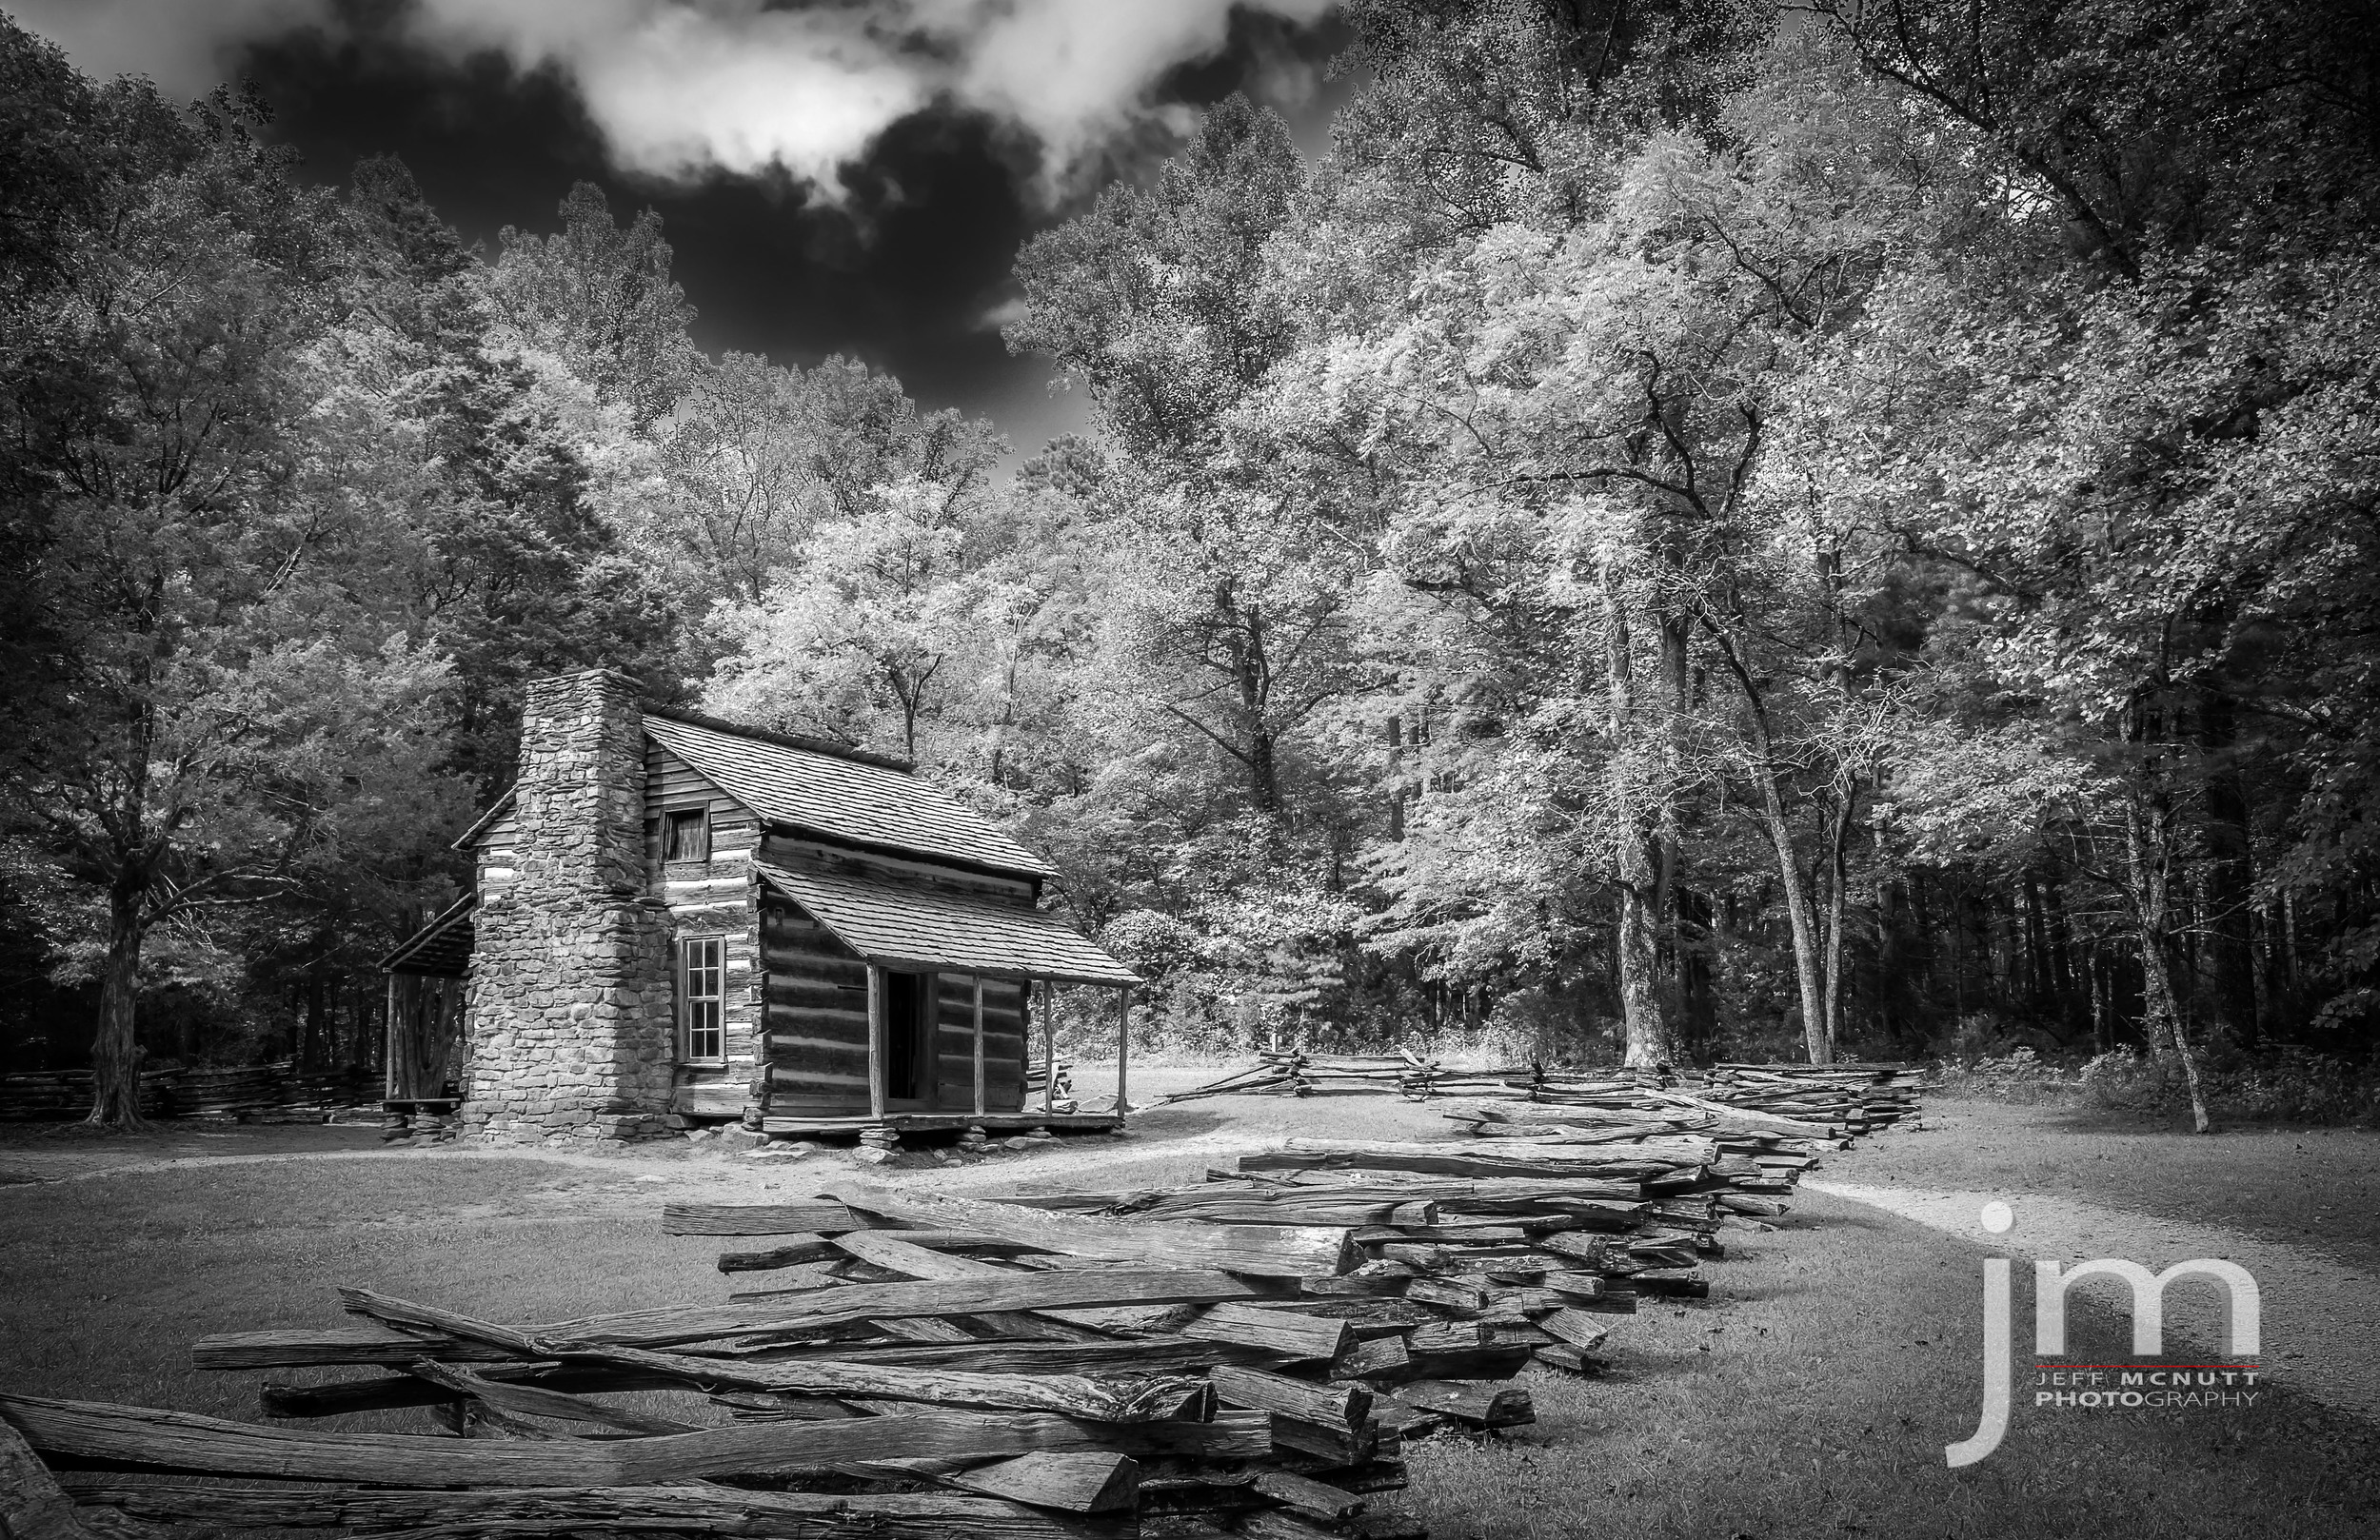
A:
2279,1088
1675,535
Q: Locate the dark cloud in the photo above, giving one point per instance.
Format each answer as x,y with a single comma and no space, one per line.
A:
897,253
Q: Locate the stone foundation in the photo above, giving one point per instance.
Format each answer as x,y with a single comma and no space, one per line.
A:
570,1016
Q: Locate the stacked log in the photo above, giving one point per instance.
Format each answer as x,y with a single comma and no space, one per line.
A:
232,1092
1828,1101
60,1094
277,1093
1815,1102
947,1368
1266,1339
1248,1354
1491,1257
1295,1073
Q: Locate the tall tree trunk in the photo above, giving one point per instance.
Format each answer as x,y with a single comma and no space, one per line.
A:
115,1052
2230,874
2147,851
2102,1008
322,1009
1832,962
1684,922
1251,678
1674,631
1801,922
1892,909
1264,774
2073,994
1958,949
1697,1027
1837,900
1650,1040
1800,913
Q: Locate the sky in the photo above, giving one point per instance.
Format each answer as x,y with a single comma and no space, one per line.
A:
849,177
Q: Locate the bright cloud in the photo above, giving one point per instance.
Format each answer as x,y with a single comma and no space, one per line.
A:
681,87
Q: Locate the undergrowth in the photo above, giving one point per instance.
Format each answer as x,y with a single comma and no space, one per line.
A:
2277,1085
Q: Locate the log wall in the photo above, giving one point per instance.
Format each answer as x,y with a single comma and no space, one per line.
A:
497,852
704,899
797,1007
806,855
1004,1036
816,1016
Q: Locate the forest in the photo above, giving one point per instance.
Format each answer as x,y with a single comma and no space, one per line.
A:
1694,529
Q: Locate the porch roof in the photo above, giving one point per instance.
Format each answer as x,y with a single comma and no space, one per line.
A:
929,932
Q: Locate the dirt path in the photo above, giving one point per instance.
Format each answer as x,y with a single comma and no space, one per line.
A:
2293,1207
2318,1313
2315,1189
1166,1144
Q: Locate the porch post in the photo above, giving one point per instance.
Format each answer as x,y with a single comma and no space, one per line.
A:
979,1045
875,1041
1049,1050
389,1043
1123,1046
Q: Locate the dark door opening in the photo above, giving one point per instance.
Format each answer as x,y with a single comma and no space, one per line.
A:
908,1034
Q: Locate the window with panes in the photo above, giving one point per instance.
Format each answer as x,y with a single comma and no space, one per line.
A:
701,996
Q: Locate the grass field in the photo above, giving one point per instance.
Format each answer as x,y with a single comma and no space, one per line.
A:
1809,1398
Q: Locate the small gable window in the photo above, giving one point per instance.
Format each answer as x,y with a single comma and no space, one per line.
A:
686,836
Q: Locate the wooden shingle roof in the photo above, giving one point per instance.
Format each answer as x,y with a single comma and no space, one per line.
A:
927,931
842,798
441,948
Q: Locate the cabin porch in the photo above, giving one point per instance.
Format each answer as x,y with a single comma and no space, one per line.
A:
425,1052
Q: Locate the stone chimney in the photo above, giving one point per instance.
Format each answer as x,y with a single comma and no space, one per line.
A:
570,1026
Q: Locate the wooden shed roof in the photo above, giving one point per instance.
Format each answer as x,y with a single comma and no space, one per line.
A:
915,928
841,798
441,948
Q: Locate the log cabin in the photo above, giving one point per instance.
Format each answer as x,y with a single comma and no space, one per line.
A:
676,919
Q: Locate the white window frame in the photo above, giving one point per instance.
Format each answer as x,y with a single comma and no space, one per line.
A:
690,1003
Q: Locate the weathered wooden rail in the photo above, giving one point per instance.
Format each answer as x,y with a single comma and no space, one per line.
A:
1247,1354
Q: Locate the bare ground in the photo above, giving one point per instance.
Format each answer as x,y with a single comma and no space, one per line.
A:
2296,1207
1166,1144
1810,1397
2314,1189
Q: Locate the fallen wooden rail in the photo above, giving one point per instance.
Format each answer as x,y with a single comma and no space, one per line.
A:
1245,1354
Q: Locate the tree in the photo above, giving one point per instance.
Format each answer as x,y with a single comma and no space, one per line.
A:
1159,299
864,634
1586,345
1222,617
498,472
1225,614
755,456
599,298
744,456
225,700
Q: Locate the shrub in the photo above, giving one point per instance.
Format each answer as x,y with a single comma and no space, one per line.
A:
2285,1084
2017,1075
